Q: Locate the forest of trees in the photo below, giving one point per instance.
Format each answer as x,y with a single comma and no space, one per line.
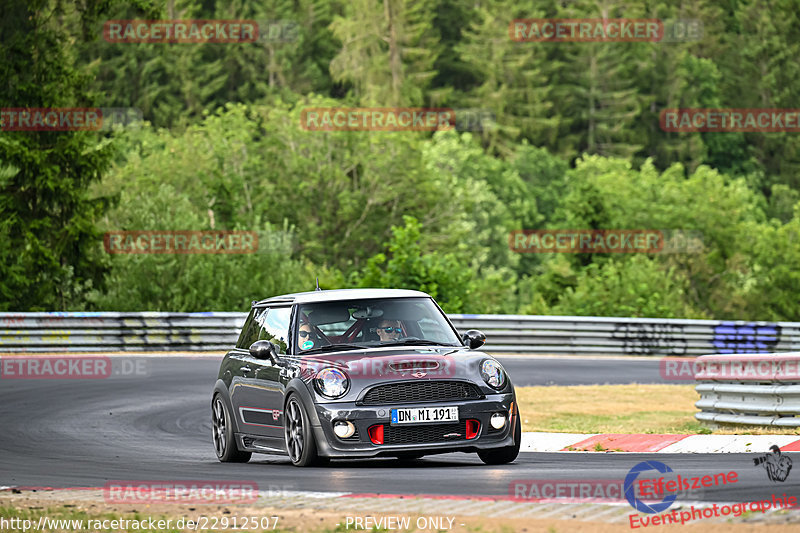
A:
575,143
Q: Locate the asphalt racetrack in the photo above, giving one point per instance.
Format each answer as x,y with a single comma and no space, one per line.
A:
155,425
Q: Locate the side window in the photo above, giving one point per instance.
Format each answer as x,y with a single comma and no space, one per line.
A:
250,329
274,327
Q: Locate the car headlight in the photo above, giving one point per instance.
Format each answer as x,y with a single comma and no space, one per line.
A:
331,382
493,374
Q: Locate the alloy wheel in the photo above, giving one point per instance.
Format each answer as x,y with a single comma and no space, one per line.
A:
293,430
219,427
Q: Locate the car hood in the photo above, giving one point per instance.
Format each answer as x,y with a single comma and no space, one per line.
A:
374,365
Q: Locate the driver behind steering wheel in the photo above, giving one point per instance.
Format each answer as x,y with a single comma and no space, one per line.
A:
389,330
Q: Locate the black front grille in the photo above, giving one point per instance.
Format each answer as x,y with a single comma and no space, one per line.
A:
421,391
424,433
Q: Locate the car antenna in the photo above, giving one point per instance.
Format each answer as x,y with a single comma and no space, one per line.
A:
318,285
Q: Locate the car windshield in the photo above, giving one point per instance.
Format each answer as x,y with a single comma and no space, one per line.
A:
370,323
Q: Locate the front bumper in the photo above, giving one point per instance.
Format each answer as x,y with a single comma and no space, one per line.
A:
329,445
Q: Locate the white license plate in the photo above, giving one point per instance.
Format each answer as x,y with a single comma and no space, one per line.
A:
424,415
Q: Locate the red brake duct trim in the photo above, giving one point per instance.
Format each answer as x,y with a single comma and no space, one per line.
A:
376,434
473,427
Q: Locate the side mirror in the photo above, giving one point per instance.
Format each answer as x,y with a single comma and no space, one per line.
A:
264,350
473,338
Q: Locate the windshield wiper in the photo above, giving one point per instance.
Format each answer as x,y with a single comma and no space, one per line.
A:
416,341
333,348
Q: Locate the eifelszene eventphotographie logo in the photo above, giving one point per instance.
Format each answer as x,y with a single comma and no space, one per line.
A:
630,491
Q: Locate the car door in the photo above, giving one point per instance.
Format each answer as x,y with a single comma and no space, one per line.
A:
242,367
261,406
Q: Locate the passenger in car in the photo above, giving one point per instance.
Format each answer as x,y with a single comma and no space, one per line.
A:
306,338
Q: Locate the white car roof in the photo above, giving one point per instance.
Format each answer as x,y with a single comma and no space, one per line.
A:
342,294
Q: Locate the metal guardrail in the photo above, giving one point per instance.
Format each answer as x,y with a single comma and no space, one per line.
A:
102,331
90,332
628,336
751,389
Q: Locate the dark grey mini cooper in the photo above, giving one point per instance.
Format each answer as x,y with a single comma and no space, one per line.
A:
360,373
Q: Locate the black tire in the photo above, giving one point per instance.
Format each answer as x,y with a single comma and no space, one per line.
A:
222,433
299,435
501,456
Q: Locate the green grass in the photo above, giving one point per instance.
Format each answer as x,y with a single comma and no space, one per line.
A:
620,409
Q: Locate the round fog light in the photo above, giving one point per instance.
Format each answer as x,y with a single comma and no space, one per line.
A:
498,420
344,429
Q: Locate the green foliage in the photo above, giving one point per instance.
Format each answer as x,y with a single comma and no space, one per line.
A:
576,144
173,84
388,50
457,287
770,278
209,188
513,77
637,288
409,267
572,98
49,255
196,282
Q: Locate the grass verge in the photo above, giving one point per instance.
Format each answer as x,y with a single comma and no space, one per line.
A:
316,521
621,409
